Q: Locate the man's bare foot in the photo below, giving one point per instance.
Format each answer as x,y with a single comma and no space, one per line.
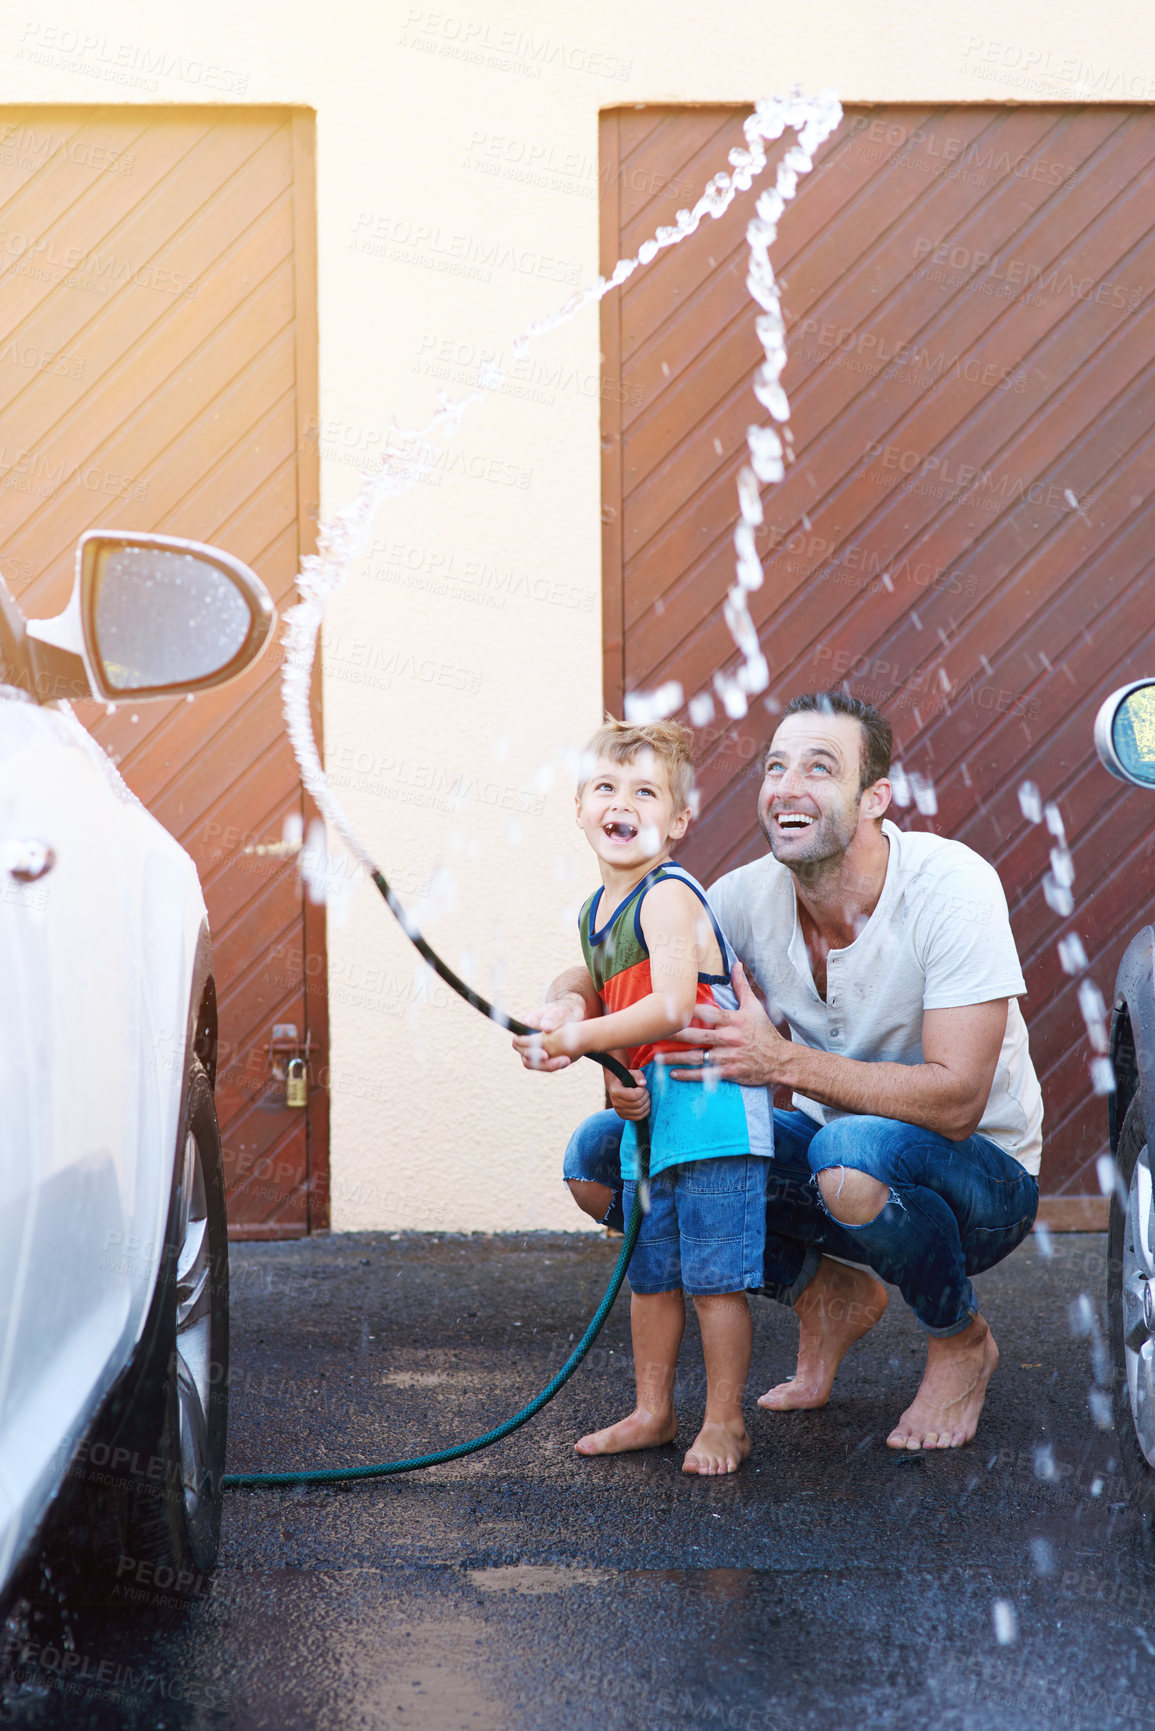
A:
945,1412
717,1448
641,1430
838,1307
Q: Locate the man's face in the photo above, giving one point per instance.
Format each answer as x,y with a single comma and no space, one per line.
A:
809,805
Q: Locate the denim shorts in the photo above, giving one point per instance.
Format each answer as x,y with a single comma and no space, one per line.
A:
705,1232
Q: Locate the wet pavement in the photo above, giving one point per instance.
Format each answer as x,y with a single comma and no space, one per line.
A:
830,1583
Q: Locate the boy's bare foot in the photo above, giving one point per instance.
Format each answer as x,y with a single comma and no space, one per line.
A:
945,1412
717,1448
641,1430
838,1307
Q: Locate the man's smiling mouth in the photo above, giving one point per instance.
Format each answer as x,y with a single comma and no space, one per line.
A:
792,820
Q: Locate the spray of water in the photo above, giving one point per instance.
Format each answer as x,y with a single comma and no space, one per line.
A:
1058,885
410,453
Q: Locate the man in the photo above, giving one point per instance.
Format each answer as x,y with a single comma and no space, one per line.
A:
917,1123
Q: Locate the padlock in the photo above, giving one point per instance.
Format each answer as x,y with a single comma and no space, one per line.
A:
296,1083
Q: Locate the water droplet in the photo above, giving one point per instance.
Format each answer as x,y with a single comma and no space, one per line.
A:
1099,1405
1058,897
1043,1556
1063,866
1030,803
925,797
1054,819
645,706
1102,1076
1044,1461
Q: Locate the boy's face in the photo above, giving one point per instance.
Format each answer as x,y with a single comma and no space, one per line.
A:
627,812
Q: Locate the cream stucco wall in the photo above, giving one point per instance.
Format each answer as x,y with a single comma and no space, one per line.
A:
466,652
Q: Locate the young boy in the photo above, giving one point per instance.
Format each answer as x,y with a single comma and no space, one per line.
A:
654,951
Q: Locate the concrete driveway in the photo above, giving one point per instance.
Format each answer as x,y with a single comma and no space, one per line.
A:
831,1583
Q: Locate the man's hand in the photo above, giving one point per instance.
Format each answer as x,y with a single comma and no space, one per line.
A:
741,1045
569,1008
629,1103
946,1093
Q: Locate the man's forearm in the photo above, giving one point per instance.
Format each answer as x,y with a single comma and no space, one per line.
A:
576,982
924,1094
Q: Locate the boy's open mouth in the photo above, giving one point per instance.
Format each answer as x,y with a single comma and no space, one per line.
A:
620,831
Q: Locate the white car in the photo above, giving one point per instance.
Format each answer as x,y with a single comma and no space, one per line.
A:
113,1254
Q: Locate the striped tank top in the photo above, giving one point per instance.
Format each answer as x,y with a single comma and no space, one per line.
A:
688,1120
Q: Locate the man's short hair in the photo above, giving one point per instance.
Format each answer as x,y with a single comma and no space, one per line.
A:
877,738
622,742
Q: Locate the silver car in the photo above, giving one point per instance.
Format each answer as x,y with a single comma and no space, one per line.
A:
1125,741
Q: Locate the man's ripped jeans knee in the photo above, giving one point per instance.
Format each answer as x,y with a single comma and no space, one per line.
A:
592,1198
852,1198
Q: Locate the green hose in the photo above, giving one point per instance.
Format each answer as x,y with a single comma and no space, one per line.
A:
339,1475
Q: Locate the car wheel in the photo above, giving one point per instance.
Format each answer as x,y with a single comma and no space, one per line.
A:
152,1526
183,1525
1131,1312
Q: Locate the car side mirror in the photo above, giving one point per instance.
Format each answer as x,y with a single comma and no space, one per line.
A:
1125,733
150,616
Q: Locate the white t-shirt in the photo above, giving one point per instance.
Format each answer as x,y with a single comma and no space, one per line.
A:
940,937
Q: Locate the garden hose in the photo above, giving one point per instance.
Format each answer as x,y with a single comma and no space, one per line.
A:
339,1475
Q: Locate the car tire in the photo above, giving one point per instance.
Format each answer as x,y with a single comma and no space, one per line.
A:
1131,1315
152,1525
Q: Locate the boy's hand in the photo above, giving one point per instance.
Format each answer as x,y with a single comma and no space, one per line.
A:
529,1048
629,1103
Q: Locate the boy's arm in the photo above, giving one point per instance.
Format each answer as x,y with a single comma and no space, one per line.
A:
675,930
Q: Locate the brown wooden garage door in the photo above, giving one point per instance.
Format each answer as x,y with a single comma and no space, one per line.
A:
965,537
158,372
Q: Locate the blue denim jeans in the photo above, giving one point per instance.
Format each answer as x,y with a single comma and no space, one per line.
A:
955,1208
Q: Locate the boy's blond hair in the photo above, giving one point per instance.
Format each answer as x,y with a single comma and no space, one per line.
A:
622,742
